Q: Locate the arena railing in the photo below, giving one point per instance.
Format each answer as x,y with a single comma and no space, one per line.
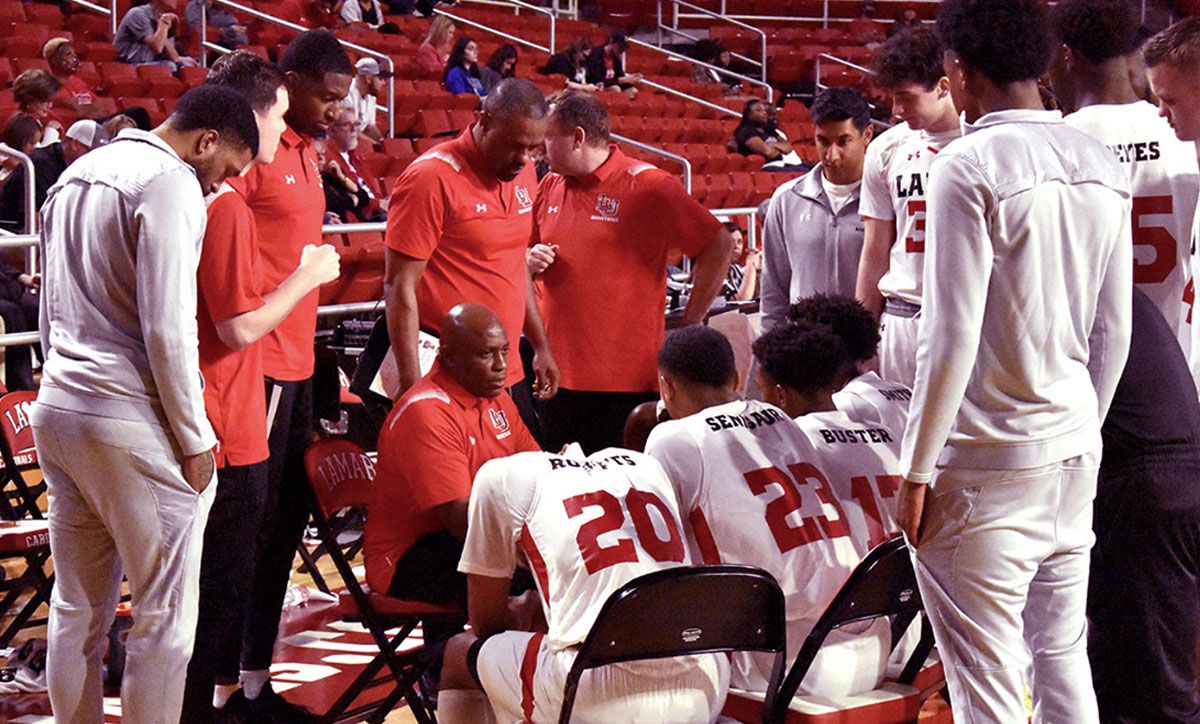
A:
570,10
110,11
702,13
710,66
28,238
384,60
516,5
687,165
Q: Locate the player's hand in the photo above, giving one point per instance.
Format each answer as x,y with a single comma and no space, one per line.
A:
539,257
33,281
321,262
910,506
331,217
198,470
546,375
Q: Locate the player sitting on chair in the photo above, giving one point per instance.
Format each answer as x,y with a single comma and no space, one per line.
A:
749,484
799,367
541,510
863,395
441,431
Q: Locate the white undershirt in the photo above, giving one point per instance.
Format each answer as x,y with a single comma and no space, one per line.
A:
839,194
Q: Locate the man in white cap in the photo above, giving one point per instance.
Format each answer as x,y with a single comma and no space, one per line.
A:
367,85
48,164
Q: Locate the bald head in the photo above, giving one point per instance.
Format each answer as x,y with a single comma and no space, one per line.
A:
474,349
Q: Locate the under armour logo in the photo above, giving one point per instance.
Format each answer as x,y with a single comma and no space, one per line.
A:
290,179
552,210
914,154
480,208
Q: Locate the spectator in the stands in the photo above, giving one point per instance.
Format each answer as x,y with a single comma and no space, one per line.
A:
117,122
49,162
342,193
462,69
435,51
21,132
75,95
233,31
341,149
368,12
572,63
145,36
741,284
711,52
866,30
606,65
907,18
34,91
758,134
365,91
502,64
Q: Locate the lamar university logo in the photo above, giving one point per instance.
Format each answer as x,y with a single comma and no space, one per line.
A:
499,420
523,197
607,207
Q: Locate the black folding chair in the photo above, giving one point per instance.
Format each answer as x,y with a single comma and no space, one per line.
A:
883,584
341,476
686,610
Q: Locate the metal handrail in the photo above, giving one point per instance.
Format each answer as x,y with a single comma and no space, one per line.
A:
110,11
687,165
709,13
31,217
493,31
751,228
723,71
671,91
383,58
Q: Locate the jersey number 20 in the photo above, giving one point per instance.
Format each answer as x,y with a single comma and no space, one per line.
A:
612,518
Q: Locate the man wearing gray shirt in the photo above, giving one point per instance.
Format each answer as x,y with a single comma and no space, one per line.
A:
144,36
812,232
120,428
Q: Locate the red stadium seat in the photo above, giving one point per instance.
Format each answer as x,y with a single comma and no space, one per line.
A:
89,26
44,14
431,123
7,72
397,146
97,51
24,64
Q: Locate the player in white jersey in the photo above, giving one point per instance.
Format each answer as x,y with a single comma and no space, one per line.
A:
1090,77
866,397
752,493
895,174
585,527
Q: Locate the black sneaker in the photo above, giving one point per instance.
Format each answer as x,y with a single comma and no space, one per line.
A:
271,708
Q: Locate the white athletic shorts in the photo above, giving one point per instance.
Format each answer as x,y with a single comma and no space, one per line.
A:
852,660
898,348
524,681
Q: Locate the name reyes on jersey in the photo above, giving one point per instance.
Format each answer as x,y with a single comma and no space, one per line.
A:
1132,152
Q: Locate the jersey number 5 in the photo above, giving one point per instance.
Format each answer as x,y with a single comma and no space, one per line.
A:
916,209
612,518
789,536
1155,237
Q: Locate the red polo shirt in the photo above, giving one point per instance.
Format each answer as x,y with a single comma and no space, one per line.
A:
288,203
436,438
449,209
227,286
605,294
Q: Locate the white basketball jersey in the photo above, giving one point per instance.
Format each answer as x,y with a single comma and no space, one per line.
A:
895,175
870,398
861,460
584,526
1165,180
748,483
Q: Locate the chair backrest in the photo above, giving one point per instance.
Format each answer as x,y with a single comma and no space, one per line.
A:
15,408
685,610
883,584
340,473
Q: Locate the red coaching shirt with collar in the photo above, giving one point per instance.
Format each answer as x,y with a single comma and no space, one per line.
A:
605,294
228,285
449,209
288,202
433,442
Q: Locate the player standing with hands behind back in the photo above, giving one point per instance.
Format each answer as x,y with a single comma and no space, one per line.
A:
1027,306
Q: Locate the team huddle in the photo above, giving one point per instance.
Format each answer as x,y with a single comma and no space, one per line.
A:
1012,387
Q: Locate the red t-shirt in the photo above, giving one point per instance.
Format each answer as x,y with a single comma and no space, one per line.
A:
227,286
288,202
75,89
433,442
605,294
449,209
